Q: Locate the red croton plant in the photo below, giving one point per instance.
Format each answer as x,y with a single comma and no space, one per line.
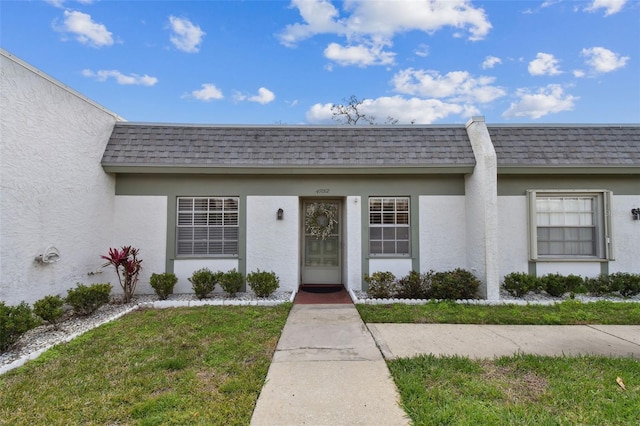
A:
127,266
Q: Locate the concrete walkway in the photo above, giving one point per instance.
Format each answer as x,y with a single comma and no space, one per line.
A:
327,370
488,341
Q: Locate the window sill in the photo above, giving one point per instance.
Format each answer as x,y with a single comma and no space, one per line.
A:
569,259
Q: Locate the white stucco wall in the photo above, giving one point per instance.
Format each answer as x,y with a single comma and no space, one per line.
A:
353,243
481,191
626,234
584,269
274,245
512,235
442,233
53,188
184,268
141,222
399,267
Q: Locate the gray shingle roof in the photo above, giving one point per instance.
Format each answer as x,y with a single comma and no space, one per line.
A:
139,144
568,146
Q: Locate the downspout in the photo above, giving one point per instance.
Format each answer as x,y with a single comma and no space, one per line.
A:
481,203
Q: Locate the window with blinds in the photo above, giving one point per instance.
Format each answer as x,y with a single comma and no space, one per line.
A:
389,228
207,226
570,225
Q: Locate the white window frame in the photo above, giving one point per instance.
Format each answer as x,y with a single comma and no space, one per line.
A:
602,222
219,220
395,225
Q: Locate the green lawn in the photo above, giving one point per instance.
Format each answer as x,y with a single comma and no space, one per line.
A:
519,390
202,365
207,366
568,312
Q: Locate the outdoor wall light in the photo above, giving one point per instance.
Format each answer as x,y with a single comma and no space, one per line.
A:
48,255
280,214
635,213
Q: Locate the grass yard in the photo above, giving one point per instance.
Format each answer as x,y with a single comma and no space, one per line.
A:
569,312
519,390
202,365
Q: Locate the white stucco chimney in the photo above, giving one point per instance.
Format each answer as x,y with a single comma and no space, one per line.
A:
481,195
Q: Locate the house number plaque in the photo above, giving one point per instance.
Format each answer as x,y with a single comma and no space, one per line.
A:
322,191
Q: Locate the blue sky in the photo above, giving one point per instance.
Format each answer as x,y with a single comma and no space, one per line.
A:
288,62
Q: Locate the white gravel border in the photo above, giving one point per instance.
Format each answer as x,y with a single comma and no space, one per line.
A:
361,297
34,342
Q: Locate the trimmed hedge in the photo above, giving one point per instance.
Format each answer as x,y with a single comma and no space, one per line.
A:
621,284
449,285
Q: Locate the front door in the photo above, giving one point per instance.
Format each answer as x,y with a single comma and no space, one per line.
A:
321,243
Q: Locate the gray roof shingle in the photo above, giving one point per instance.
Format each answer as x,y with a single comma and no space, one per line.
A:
568,146
134,144
215,147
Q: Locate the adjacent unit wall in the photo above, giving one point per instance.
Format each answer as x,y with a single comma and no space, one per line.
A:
513,235
481,207
54,191
626,233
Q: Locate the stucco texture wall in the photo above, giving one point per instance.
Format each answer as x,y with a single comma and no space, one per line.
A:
626,233
141,222
53,188
442,233
274,245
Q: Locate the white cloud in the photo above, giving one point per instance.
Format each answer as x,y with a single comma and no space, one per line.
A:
263,97
208,93
185,35
131,79
603,60
611,6
56,3
579,73
406,111
359,55
86,30
546,100
373,24
544,64
320,17
490,62
456,86
422,51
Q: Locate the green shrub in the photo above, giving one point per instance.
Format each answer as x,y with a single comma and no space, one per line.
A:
86,300
554,284
412,286
263,283
14,322
453,285
203,282
163,284
600,285
519,283
49,308
628,285
381,284
575,283
231,282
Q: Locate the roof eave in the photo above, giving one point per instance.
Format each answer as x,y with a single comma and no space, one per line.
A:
568,170
288,170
